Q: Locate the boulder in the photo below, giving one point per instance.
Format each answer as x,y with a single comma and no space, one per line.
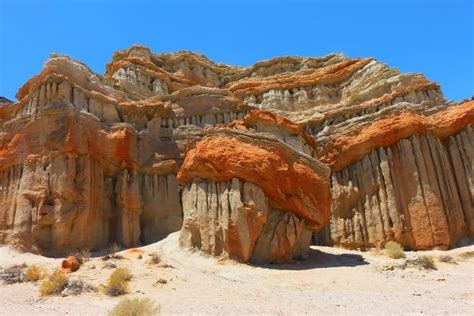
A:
234,206
70,264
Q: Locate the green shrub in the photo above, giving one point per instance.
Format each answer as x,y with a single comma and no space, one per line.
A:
394,250
135,307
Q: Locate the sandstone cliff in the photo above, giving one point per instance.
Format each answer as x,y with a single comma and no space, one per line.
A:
86,160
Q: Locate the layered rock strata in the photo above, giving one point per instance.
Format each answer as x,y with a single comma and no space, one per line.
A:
405,177
87,160
234,205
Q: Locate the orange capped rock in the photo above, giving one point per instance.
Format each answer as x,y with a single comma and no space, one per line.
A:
287,177
70,264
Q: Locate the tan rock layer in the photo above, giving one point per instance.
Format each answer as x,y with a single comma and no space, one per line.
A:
326,75
233,219
269,118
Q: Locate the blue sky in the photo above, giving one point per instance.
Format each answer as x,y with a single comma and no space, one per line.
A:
432,37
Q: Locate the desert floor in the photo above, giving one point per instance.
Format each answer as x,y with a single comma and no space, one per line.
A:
331,281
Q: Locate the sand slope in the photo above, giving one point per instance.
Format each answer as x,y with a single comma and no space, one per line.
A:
332,281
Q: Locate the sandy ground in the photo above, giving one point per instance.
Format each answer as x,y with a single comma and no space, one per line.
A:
332,281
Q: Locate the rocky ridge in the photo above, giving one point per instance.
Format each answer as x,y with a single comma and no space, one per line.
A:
86,160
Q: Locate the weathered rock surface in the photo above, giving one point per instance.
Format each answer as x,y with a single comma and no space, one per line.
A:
233,219
290,179
407,178
251,197
87,160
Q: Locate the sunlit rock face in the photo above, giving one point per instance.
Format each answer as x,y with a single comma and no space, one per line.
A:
249,162
251,197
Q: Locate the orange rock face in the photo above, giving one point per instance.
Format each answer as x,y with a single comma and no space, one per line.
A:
88,160
357,142
288,179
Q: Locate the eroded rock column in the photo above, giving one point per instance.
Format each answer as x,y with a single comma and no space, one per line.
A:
251,198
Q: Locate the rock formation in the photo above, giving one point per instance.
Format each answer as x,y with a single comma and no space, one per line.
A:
87,160
251,197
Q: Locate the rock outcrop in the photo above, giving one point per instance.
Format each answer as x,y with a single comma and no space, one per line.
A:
234,205
87,160
404,177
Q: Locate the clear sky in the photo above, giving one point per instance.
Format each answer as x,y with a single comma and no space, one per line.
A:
432,37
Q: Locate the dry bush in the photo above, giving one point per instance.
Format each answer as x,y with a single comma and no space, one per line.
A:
166,266
54,284
14,274
135,307
466,255
160,282
118,282
35,273
82,255
114,248
154,258
394,250
447,259
426,262
111,252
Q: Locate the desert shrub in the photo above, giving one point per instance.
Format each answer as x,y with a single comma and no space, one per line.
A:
166,266
82,255
111,252
160,282
118,282
426,262
14,274
54,284
154,258
466,255
114,248
446,259
394,250
135,307
35,273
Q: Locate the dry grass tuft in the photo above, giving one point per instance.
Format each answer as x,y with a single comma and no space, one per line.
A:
114,248
447,259
111,252
154,258
82,255
14,274
426,262
35,273
466,255
54,284
135,307
118,282
394,250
